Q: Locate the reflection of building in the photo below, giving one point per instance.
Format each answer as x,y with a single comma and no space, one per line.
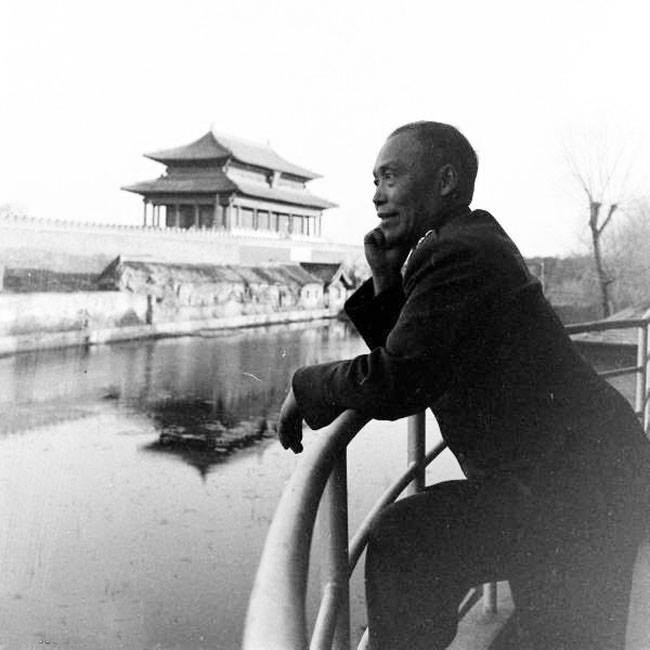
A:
223,183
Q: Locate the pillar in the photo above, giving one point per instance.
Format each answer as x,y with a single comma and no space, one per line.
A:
144,215
177,216
227,221
197,216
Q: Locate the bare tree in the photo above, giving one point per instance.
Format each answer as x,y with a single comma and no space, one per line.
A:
629,252
602,174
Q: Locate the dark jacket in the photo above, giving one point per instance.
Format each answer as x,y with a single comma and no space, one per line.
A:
470,335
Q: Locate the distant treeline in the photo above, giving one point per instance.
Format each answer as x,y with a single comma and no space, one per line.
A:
571,286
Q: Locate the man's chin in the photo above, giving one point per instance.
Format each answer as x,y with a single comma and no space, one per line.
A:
391,235
393,239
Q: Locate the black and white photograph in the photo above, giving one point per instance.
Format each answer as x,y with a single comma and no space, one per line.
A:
324,325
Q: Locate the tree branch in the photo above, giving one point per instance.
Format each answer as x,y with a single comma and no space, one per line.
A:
612,209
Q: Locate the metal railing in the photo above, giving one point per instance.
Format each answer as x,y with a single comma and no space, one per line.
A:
641,325
276,618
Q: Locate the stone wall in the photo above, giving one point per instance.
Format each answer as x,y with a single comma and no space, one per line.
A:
66,245
183,292
143,299
69,312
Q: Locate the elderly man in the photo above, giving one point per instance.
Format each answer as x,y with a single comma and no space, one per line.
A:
555,459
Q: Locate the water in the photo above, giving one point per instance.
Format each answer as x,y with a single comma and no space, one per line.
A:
111,539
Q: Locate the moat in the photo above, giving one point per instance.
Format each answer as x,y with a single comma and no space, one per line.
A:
138,481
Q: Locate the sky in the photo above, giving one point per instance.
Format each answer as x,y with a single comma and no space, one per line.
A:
87,87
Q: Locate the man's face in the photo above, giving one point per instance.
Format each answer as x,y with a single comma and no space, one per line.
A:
407,197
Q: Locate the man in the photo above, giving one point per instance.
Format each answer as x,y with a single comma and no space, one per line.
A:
554,457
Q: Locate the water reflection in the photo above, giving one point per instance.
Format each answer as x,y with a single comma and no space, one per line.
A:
215,394
131,516
206,396
203,433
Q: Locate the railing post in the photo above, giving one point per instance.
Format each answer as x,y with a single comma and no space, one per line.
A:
490,598
641,398
415,450
333,518
646,408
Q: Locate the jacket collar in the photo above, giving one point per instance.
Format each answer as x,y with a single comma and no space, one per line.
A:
450,215
418,252
443,219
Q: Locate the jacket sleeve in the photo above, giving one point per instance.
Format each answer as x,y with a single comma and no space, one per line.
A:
375,316
415,365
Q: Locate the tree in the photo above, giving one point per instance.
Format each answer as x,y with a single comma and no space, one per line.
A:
602,174
628,252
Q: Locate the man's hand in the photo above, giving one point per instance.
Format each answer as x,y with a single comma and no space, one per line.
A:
385,261
290,424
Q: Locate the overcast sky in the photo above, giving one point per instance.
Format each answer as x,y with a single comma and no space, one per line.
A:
87,87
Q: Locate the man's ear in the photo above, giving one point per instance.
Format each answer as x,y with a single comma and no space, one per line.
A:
448,179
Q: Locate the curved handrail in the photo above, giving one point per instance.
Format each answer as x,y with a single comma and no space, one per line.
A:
280,585
358,542
281,581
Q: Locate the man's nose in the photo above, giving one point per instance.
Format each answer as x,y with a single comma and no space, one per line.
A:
378,198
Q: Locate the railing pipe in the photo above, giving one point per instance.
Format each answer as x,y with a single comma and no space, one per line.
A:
490,598
276,610
641,401
604,325
619,372
358,542
641,361
326,620
332,628
415,450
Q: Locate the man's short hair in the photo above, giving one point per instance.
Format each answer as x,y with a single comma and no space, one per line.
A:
443,144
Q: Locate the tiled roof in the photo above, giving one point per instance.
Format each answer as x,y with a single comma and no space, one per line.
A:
213,146
328,273
205,148
219,182
167,273
278,274
260,155
282,195
321,270
209,184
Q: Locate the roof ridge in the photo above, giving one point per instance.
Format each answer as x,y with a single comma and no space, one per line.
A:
233,142
215,134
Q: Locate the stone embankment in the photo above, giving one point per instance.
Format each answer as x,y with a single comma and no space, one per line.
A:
141,299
